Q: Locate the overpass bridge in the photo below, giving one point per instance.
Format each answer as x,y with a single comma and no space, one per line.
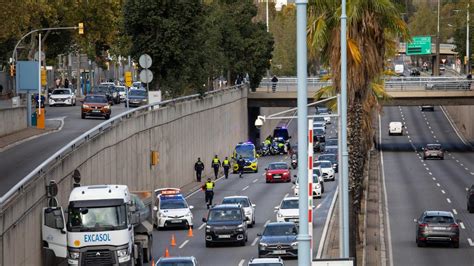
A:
405,91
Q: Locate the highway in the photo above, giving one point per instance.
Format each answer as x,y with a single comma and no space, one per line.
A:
414,185
20,160
265,196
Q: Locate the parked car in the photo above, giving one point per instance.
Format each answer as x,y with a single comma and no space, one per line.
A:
277,172
62,97
137,98
278,240
246,204
95,105
435,227
433,151
226,223
470,199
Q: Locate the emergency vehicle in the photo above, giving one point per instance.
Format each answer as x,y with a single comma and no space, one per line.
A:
249,154
171,209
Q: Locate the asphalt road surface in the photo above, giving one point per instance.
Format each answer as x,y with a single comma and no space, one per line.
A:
414,185
20,160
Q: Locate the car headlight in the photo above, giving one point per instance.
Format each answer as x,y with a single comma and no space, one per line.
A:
122,252
74,255
144,100
208,228
240,226
279,215
85,106
263,244
294,244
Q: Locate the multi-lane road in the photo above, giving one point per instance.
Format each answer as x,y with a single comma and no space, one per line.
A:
18,161
414,185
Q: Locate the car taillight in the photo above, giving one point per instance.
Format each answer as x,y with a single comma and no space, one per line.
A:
422,226
454,227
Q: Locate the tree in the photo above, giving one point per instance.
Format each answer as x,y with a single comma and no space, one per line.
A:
284,31
371,29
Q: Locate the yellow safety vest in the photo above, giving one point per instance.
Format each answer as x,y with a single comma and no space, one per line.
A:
209,185
226,162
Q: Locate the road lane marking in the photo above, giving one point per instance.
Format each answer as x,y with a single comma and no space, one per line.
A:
241,263
427,169
319,205
470,242
434,178
442,191
255,241
448,200
472,173
326,225
245,188
267,222
432,132
430,173
408,136
438,184
201,227
184,243
461,164
462,225
454,127
465,168
424,164
286,195
455,212
434,136
255,181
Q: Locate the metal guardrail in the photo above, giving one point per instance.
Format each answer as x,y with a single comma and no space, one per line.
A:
95,131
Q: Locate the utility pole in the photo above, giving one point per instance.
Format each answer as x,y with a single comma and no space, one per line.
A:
436,63
268,26
468,63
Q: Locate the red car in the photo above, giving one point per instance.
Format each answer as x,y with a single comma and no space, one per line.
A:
277,172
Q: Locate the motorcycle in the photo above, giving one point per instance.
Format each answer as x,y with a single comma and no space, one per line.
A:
294,161
265,150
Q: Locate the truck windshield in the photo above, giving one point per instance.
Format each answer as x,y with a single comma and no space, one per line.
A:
246,151
97,218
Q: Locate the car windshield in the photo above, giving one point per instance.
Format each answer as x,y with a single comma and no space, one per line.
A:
58,92
277,166
221,215
137,93
280,133
174,203
246,151
175,263
318,124
330,150
280,230
331,142
97,218
433,147
100,90
95,99
120,88
328,157
324,164
439,219
242,201
289,204
319,119
318,131
323,109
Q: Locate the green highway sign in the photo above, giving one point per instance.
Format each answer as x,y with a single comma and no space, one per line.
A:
420,45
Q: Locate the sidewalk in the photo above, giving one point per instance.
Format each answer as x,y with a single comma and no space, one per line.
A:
11,140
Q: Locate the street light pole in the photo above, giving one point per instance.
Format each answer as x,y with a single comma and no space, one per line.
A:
344,246
436,63
304,240
468,63
268,26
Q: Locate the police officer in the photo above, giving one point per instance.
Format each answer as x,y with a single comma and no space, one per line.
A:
208,188
198,167
226,166
216,163
241,164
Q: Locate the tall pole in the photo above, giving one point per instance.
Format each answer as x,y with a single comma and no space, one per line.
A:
345,155
436,63
468,63
39,74
304,244
268,26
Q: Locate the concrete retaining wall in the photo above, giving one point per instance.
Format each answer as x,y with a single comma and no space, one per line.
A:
13,119
121,155
462,117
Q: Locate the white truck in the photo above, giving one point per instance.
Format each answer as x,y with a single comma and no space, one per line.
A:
106,225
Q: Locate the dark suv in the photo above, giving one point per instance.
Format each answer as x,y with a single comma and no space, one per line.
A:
226,223
470,199
435,227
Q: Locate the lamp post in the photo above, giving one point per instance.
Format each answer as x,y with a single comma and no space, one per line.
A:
436,63
468,63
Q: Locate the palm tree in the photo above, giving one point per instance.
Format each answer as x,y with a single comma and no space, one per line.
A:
372,29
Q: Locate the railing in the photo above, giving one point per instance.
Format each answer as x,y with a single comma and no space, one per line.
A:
391,84
97,130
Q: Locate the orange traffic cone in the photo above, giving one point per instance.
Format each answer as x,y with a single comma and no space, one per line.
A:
190,232
153,261
167,253
173,241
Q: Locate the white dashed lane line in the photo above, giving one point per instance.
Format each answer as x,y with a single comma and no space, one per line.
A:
267,222
184,243
255,181
448,200
255,241
442,191
462,225
430,173
434,178
455,212
201,227
241,262
438,184
470,242
245,188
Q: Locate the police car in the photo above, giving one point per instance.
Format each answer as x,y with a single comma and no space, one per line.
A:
171,209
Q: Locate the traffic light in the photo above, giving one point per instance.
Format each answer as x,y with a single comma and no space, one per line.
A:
81,28
12,70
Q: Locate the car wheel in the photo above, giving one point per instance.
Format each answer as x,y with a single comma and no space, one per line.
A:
442,158
242,243
424,158
208,244
74,103
83,116
456,244
107,117
253,221
266,181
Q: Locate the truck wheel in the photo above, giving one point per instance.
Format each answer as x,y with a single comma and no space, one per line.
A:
147,251
139,259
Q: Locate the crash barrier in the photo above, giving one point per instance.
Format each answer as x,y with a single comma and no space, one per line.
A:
118,151
12,120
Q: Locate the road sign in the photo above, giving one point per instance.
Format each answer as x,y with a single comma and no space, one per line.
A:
128,78
27,76
420,45
145,61
43,77
42,56
146,76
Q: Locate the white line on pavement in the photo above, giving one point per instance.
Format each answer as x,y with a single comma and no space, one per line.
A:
267,222
462,225
245,188
241,262
319,205
455,212
184,243
465,168
427,169
286,195
326,225
434,178
255,241
448,200
442,191
201,227
424,164
255,181
470,242
438,184
430,173
434,136
472,173
461,164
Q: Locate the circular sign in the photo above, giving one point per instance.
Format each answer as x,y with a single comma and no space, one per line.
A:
146,76
43,56
145,61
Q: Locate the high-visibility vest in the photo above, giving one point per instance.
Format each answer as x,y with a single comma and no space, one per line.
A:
209,185
216,161
226,162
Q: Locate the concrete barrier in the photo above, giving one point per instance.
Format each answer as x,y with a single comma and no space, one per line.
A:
121,154
462,117
13,119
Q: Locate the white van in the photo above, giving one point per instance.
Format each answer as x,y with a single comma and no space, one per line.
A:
395,128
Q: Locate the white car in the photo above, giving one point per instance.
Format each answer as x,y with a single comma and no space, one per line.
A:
122,90
395,128
266,262
288,210
317,192
171,209
319,124
327,170
62,97
326,118
246,204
